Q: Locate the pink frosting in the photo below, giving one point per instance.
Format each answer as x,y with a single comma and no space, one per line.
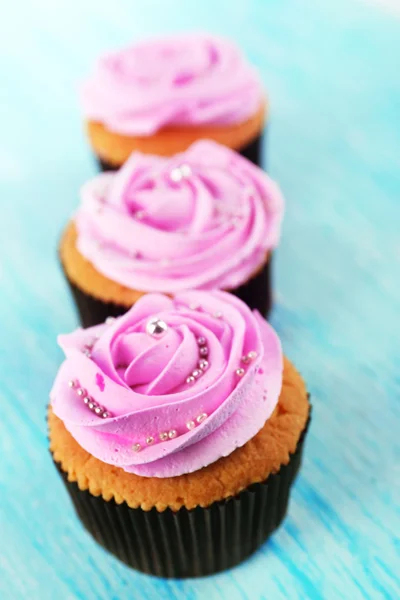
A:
190,79
204,219
142,382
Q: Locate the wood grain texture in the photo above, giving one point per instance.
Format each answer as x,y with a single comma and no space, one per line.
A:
332,71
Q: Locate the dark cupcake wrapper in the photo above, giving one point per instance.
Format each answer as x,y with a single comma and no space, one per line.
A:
252,151
256,293
189,543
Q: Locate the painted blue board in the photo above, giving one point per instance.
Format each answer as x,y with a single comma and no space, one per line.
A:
332,71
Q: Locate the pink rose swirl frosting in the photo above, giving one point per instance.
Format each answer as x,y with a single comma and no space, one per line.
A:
174,402
204,219
191,79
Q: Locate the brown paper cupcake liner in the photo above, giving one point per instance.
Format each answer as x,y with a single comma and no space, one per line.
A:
252,151
256,293
189,543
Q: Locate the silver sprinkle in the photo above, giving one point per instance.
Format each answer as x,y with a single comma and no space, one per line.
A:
176,174
185,170
201,341
197,373
203,364
81,392
136,447
201,417
106,414
163,436
190,425
149,440
71,383
172,434
110,320
252,354
86,399
98,410
203,351
190,379
246,359
156,328
239,372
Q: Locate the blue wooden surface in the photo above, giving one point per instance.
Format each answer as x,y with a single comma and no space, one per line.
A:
332,69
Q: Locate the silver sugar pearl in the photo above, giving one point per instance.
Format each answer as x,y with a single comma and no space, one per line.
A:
239,372
201,417
252,354
190,425
86,399
197,373
203,351
190,379
106,414
201,341
203,364
81,392
176,174
71,383
98,410
136,447
156,328
163,436
92,405
185,170
149,440
172,434
109,320
246,359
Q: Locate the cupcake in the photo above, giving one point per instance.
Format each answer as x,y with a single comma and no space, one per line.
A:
178,434
204,219
160,96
